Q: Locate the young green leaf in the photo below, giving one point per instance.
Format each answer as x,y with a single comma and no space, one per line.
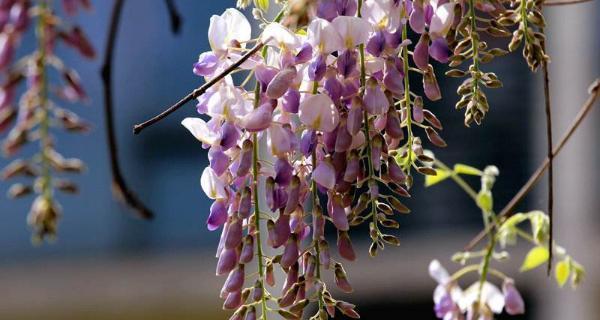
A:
563,269
460,168
440,176
535,258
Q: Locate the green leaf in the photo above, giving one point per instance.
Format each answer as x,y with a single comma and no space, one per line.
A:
460,168
535,258
440,176
262,5
562,271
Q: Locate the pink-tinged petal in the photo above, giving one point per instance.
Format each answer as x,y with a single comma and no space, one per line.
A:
323,36
233,301
353,30
206,65
233,237
514,303
290,253
235,280
258,119
319,113
438,272
325,257
212,185
247,253
281,83
442,20
291,101
324,174
200,130
227,261
277,35
345,246
279,140
430,85
393,79
417,20
375,101
355,117
218,215
337,213
421,53
341,279
439,50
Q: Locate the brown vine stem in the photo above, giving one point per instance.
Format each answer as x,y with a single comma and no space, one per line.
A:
199,91
548,107
174,16
594,93
564,2
118,181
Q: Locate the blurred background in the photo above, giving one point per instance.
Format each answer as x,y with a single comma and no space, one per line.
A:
106,264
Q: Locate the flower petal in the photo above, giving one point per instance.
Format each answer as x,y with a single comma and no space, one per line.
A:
319,113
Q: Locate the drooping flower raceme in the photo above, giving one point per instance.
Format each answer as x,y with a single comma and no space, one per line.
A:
38,110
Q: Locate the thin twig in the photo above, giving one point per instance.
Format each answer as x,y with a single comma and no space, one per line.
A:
550,156
174,16
594,93
199,91
119,185
563,2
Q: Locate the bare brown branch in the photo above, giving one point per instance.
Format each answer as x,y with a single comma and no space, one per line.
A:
119,185
199,91
594,93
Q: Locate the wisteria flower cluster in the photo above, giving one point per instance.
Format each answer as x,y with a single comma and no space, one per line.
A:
35,113
332,135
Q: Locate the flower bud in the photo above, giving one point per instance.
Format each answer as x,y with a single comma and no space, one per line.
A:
375,101
355,117
341,280
324,256
227,261
218,214
281,83
337,213
324,174
290,252
430,85
347,309
345,246
258,119
514,304
245,161
233,235
233,300
421,52
247,253
292,277
235,280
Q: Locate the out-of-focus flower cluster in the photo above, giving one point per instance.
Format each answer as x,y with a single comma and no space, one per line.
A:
331,135
35,112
